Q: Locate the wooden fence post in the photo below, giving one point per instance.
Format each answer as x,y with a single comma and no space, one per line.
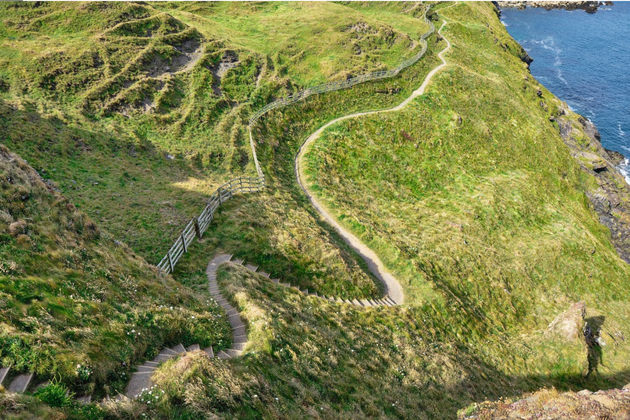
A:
197,228
170,262
184,242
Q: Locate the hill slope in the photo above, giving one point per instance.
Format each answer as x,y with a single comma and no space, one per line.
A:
469,195
71,295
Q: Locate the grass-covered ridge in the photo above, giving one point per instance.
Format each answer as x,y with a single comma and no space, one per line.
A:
71,295
475,328
139,147
472,192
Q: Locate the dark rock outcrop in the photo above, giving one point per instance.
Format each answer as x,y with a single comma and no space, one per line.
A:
587,6
611,200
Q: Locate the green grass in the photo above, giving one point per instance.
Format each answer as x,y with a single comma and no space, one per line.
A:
485,221
78,306
74,109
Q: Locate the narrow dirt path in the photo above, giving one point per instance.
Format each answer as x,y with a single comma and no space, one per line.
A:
392,285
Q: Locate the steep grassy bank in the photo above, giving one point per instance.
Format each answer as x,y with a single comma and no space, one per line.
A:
76,305
471,193
138,125
481,300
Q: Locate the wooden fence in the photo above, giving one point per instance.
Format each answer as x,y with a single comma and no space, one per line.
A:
243,185
198,225
344,84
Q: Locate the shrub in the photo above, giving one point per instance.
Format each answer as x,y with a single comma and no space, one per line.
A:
55,395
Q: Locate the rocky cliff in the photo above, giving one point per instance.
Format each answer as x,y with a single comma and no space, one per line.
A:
612,404
587,6
611,197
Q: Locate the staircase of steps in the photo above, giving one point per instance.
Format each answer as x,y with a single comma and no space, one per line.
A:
141,378
214,288
22,382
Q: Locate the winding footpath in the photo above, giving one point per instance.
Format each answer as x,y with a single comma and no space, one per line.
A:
141,379
392,286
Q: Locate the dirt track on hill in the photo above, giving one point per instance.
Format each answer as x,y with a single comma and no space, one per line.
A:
392,285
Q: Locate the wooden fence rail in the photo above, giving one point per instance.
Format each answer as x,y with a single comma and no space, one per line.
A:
198,225
344,84
244,185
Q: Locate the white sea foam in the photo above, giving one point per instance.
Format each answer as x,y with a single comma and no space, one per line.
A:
624,168
621,132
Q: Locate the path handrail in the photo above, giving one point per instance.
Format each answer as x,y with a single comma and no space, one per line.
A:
198,225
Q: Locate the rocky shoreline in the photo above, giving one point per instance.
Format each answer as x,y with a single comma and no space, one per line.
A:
587,6
611,199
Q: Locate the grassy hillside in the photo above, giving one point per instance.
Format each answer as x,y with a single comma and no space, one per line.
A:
70,295
468,195
472,198
139,124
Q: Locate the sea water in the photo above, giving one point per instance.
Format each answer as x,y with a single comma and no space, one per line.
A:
584,59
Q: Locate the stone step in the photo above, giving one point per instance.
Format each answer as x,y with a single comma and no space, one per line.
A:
214,290
251,267
356,302
241,338
146,368
392,301
139,381
179,349
240,330
275,280
235,320
365,302
239,346
237,261
234,353
3,374
209,351
149,364
232,311
86,399
20,383
220,259
339,299
372,302
161,358
347,301
167,352
193,347
223,355
262,273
